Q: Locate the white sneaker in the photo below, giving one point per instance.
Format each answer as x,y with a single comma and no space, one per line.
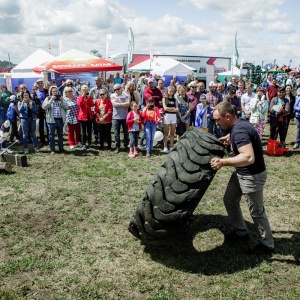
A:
166,150
83,147
79,145
72,147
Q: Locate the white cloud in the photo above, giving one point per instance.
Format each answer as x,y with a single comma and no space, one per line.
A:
281,27
190,27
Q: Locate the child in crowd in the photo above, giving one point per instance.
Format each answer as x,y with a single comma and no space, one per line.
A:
134,123
203,114
151,117
12,113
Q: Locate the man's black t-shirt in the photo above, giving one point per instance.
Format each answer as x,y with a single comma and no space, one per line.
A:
243,133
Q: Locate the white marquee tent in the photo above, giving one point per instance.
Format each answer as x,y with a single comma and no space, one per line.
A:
36,58
22,73
163,66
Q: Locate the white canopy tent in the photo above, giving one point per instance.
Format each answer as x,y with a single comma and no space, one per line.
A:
22,73
36,58
234,71
163,66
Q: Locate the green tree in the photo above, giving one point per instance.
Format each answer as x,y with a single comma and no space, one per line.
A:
5,64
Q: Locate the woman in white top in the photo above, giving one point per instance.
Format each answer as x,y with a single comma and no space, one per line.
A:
258,108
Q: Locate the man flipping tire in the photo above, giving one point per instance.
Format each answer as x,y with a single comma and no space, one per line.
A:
248,178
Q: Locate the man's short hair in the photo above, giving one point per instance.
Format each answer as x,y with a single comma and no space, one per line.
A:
117,86
225,107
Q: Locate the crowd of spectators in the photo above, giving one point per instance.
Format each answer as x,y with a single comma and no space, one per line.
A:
139,107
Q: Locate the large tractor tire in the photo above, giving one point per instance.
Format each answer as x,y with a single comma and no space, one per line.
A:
177,188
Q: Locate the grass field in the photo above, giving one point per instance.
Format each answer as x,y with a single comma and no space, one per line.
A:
63,234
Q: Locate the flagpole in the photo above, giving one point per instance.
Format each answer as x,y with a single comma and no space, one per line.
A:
108,38
150,41
130,46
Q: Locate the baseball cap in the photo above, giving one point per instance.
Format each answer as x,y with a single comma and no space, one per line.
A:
150,80
212,83
40,80
203,97
232,90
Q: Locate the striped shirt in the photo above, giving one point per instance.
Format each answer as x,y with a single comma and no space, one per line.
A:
57,110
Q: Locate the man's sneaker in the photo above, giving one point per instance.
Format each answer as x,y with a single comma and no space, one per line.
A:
166,150
141,147
117,150
26,151
36,150
83,147
233,237
261,249
52,152
148,154
72,147
296,146
79,145
131,155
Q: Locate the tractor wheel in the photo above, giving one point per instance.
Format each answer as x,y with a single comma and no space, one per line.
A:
177,188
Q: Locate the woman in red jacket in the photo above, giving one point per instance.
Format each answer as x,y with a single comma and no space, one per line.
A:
85,115
103,111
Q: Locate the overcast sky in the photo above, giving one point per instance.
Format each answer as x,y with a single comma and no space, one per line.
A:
266,30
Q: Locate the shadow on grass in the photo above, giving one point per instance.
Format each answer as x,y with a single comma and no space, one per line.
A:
224,258
288,246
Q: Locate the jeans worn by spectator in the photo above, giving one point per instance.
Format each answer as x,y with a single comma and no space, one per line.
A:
150,128
59,127
117,127
134,138
215,129
28,127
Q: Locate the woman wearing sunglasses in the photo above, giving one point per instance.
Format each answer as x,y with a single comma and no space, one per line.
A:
71,118
103,111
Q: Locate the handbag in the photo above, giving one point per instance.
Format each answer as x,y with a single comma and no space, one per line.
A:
254,120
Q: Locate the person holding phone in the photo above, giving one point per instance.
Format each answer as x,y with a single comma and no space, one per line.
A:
151,117
55,107
259,107
85,115
27,112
